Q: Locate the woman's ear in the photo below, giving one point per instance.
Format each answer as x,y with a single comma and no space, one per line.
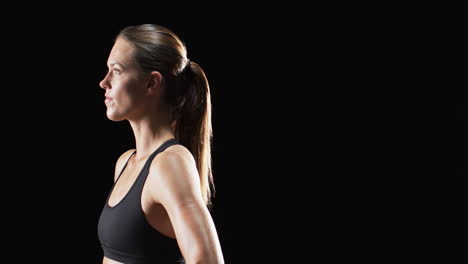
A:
154,83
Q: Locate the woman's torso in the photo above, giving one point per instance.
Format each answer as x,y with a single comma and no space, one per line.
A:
154,213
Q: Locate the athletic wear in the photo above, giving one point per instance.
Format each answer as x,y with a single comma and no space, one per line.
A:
123,231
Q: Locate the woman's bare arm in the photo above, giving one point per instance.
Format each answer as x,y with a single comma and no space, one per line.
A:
177,188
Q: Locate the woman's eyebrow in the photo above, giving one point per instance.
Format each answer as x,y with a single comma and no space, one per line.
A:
116,63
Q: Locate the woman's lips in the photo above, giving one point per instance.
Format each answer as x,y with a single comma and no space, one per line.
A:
108,99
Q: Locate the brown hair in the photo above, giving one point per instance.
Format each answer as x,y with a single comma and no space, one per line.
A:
187,92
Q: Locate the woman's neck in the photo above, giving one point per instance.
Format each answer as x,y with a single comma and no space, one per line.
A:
149,135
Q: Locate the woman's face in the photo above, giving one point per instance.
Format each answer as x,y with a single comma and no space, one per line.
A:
124,85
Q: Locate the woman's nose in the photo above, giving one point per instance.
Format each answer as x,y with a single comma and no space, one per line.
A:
104,84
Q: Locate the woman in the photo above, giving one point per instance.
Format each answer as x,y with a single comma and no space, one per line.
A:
157,210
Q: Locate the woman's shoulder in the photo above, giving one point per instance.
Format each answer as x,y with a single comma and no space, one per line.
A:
176,154
126,154
174,175
176,159
123,158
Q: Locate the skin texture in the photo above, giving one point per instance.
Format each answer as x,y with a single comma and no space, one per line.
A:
171,199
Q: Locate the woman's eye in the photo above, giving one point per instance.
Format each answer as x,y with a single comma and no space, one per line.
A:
116,71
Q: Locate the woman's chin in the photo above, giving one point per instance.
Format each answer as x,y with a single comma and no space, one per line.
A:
114,117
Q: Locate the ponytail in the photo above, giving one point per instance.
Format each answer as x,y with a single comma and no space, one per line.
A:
193,123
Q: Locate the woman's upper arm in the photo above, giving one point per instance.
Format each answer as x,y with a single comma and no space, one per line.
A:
121,162
177,188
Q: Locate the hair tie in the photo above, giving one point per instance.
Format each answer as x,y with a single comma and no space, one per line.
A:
186,72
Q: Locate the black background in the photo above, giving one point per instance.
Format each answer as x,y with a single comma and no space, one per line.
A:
59,148
313,117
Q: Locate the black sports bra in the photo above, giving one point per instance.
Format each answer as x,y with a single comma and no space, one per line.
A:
123,231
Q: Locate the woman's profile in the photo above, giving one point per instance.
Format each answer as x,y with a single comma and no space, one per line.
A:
157,210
